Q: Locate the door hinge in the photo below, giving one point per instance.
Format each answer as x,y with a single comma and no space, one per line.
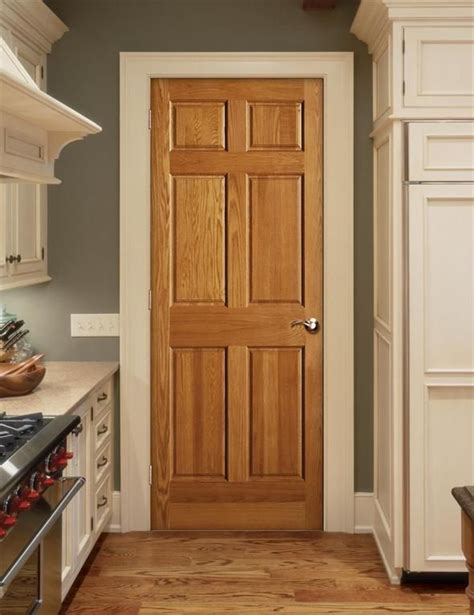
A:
150,475
42,72
403,46
42,254
403,88
92,413
92,524
149,299
149,119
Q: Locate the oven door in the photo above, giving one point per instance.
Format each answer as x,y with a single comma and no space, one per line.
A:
30,555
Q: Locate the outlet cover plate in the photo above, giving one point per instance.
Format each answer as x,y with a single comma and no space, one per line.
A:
95,325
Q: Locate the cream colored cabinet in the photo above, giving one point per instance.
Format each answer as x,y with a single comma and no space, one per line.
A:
89,513
23,207
423,137
441,367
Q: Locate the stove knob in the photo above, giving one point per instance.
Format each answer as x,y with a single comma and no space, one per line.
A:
24,505
3,533
33,495
8,521
48,481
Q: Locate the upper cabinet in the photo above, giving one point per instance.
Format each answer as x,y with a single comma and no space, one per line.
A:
423,57
34,127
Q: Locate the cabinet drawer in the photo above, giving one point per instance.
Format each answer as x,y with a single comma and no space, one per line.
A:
103,395
103,504
438,64
103,462
441,151
103,427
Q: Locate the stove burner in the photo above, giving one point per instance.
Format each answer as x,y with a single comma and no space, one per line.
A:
17,430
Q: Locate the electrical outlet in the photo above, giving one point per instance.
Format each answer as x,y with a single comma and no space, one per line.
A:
95,325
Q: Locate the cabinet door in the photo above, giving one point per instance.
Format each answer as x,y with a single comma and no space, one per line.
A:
67,546
438,63
83,455
441,370
4,235
32,60
28,233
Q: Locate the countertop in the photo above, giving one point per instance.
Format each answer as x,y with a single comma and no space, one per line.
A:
65,385
465,498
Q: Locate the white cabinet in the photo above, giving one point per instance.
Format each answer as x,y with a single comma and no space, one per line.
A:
423,94
439,66
23,207
89,513
441,369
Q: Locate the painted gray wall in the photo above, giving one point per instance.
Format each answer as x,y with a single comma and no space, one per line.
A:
83,71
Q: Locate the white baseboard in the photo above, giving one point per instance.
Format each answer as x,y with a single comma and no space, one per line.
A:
115,526
364,513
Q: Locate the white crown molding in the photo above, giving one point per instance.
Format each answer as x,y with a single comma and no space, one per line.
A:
374,17
33,20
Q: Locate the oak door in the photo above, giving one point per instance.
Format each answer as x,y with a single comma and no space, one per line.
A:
236,259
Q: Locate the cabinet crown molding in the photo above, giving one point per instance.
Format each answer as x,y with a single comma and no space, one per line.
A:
33,20
374,17
34,127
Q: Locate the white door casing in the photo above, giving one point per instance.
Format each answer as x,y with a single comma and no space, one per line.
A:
136,70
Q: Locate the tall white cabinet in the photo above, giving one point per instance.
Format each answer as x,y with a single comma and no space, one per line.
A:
423,140
29,29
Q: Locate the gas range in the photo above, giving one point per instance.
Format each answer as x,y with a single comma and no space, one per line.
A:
33,496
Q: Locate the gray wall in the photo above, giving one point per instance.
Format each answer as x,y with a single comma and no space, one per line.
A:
83,71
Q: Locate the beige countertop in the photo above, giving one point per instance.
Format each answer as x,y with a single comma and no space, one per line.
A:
65,385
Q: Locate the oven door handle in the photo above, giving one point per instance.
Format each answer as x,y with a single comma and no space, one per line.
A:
10,574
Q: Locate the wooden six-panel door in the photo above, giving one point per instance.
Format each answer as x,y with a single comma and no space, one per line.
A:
236,258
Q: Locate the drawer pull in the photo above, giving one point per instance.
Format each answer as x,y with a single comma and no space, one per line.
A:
102,430
102,397
103,502
103,462
78,430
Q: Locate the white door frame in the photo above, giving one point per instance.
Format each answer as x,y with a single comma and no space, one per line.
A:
136,70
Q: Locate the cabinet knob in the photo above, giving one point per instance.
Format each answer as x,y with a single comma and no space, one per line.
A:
103,501
102,430
102,397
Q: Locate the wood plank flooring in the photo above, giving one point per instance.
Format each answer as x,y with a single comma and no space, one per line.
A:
261,572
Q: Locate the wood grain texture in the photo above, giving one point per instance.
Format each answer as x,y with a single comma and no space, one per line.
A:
275,226
276,410
275,126
199,413
198,213
214,573
244,255
198,125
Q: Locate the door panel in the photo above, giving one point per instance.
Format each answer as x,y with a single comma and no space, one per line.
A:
198,212
199,411
236,258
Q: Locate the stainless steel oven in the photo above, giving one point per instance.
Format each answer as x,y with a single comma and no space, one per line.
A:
30,556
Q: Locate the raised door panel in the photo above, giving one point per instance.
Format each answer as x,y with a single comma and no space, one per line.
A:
275,227
199,240
441,376
198,125
275,126
382,231
276,413
442,151
199,413
438,67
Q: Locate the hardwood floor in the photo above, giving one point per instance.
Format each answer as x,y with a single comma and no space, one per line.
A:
262,572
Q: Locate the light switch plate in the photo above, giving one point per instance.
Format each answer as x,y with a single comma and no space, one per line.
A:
95,325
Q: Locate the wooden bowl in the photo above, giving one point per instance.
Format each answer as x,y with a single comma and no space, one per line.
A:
21,384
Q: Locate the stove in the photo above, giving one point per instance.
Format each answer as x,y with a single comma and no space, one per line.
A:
17,430
33,495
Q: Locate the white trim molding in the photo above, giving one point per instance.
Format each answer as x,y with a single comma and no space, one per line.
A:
136,70
364,512
114,526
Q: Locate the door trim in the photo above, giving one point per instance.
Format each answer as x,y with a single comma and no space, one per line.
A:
136,70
